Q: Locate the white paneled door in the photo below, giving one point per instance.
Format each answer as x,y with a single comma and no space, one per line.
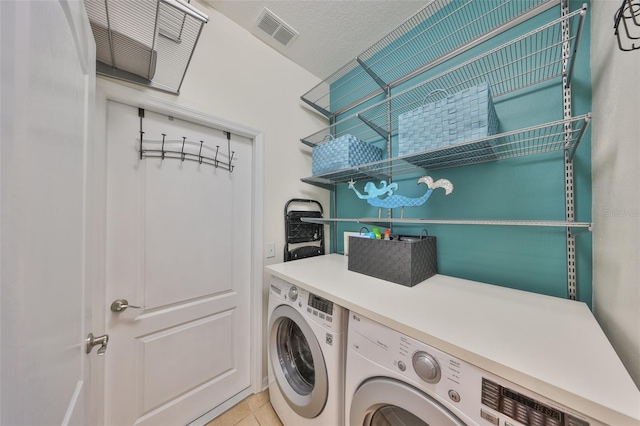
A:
178,248
47,76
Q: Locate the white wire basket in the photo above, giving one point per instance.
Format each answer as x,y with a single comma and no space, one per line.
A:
148,42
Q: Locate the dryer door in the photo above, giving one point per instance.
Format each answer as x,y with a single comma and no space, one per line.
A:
388,402
297,362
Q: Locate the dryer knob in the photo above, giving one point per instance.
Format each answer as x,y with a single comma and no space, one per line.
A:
293,294
426,367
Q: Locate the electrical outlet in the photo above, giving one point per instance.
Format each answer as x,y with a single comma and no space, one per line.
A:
271,250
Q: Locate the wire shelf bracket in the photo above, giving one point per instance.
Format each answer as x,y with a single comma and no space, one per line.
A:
379,130
567,67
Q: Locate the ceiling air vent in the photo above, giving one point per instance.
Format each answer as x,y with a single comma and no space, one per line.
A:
276,28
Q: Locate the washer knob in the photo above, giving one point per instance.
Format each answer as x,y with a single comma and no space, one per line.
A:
426,367
293,294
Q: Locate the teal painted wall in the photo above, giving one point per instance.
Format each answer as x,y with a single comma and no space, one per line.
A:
526,188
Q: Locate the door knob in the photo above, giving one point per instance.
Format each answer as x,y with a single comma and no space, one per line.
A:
102,341
120,305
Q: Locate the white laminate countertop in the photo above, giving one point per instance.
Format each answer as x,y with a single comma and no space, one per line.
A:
549,345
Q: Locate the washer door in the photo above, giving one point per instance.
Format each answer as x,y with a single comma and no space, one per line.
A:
297,362
388,402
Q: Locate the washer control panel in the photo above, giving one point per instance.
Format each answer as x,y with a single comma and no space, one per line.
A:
322,305
524,409
318,309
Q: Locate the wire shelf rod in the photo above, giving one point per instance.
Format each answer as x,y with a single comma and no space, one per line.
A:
576,45
498,49
554,140
191,51
587,226
153,43
188,9
397,53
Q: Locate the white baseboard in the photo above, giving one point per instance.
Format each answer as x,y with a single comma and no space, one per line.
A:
210,415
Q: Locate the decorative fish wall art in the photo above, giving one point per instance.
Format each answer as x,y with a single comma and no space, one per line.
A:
392,200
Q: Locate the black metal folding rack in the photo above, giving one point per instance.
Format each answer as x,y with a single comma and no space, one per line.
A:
297,232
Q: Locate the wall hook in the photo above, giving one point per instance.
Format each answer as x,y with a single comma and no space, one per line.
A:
141,115
228,134
141,136
169,149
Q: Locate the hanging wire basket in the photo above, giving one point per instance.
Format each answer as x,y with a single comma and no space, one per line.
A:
147,42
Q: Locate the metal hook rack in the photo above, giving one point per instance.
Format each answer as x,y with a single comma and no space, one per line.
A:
628,14
185,150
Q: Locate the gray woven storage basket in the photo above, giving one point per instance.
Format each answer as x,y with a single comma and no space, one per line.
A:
402,262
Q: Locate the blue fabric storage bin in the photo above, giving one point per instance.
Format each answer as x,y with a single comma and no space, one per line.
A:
458,118
342,153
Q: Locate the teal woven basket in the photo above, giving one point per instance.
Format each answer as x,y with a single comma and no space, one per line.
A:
342,153
462,117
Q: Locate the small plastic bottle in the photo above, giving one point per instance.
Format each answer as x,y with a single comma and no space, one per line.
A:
387,234
377,232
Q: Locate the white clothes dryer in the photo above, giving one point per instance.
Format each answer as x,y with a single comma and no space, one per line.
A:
393,380
306,348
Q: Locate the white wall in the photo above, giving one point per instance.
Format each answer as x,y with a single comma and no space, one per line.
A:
236,77
616,187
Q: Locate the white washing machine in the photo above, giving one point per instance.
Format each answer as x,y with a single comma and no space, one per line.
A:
306,347
393,379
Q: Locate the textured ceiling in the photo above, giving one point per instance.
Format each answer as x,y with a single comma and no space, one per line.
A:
332,32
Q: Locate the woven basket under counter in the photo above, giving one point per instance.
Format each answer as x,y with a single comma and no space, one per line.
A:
462,117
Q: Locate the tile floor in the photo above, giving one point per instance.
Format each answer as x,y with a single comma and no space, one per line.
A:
255,410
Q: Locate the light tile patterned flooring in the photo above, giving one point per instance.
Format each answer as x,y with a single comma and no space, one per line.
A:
255,410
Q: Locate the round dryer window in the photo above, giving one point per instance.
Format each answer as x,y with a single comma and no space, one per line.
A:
294,347
297,362
390,415
389,402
